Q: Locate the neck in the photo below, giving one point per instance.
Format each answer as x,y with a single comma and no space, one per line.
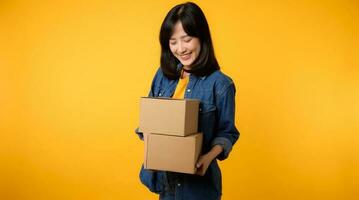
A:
186,67
185,74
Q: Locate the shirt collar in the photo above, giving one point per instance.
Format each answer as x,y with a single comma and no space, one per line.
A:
180,66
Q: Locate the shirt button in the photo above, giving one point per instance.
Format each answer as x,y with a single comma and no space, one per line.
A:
189,90
160,94
179,184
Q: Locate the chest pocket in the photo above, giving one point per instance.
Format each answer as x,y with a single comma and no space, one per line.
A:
158,91
164,89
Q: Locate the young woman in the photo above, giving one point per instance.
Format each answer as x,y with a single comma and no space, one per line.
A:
189,69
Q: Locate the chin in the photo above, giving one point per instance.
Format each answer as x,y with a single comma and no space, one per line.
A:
187,63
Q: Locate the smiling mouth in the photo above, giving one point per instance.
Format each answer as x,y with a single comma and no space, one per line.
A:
185,56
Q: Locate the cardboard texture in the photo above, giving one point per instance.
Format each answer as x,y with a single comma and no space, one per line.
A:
172,153
178,117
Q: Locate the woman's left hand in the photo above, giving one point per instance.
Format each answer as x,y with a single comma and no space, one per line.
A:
203,163
205,160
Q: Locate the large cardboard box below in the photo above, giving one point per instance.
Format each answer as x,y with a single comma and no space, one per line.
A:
168,116
172,153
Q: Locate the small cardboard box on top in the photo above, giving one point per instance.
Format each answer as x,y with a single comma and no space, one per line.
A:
168,116
172,142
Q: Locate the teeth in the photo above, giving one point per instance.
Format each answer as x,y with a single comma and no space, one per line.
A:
185,55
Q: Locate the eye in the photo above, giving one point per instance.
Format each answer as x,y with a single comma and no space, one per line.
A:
188,39
172,42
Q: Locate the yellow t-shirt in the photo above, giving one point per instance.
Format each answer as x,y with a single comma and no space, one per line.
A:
181,87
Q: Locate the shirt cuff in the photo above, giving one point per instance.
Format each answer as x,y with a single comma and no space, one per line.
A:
140,134
225,144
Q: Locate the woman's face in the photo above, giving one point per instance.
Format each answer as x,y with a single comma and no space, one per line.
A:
184,47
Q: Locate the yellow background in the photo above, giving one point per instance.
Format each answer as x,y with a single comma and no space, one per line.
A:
72,72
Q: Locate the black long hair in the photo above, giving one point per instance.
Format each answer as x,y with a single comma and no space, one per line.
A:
194,24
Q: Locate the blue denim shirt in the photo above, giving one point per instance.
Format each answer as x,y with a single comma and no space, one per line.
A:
216,93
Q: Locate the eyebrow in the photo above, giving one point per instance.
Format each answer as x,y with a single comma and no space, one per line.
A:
180,37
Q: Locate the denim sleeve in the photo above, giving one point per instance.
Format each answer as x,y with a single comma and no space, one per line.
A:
227,133
155,80
139,134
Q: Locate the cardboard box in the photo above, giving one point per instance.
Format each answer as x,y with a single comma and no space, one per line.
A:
177,117
172,153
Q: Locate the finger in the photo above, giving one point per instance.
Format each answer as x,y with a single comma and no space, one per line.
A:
203,169
199,171
199,163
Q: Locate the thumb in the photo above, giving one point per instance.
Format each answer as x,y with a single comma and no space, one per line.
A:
199,162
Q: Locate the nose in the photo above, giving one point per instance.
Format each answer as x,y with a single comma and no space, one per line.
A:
181,48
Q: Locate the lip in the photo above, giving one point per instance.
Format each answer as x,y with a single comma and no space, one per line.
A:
185,56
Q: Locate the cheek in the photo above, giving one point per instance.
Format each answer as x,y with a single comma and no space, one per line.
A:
173,49
195,46
198,50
